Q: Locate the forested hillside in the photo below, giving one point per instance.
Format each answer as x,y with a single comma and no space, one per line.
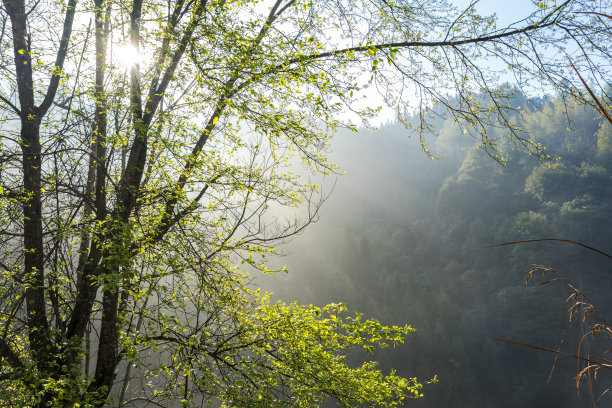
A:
402,236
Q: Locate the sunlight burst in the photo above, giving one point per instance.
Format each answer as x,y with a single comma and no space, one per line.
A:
127,55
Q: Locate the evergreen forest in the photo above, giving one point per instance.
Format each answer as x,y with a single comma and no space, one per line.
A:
402,238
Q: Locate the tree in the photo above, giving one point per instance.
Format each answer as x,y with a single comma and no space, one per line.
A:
132,189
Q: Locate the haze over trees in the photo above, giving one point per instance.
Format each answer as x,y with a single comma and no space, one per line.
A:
412,249
143,144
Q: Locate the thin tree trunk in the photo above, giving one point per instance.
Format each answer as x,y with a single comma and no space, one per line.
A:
38,326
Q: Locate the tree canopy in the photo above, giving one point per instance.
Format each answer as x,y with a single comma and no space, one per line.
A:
143,143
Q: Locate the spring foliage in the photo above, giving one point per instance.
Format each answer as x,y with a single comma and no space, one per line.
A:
142,144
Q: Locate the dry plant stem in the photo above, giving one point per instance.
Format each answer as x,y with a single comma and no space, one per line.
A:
580,308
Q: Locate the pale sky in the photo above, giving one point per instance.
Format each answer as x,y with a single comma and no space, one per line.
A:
507,11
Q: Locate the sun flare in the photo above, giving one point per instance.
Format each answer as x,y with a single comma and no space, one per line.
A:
126,55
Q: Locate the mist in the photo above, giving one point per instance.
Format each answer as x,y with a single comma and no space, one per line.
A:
402,239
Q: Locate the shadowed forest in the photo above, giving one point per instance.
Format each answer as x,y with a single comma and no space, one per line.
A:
401,239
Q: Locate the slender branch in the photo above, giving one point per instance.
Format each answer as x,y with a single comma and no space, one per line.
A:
542,23
156,91
603,110
608,366
10,104
551,239
60,58
228,93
